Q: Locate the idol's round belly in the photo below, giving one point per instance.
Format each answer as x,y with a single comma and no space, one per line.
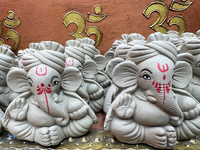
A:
148,114
38,117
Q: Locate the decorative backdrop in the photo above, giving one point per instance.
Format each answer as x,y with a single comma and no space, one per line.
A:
26,21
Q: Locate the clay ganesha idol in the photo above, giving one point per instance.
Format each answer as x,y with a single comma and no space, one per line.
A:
91,53
149,111
191,49
7,60
90,90
48,110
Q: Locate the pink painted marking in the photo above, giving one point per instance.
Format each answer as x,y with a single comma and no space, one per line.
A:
47,89
163,69
69,62
21,64
41,73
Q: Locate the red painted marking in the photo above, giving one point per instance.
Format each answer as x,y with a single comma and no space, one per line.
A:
39,89
166,88
69,62
41,73
163,68
169,83
164,94
153,82
46,90
156,85
159,88
40,92
47,102
164,77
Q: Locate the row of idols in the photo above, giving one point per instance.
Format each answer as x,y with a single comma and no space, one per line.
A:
148,88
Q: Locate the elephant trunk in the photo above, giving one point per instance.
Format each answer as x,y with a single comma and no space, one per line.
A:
165,100
49,104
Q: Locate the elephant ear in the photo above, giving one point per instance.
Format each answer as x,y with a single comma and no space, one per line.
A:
17,80
111,65
109,55
125,74
182,74
71,79
187,57
89,69
100,62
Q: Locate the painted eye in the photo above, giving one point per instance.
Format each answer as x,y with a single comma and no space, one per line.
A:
197,65
146,77
30,82
55,80
2,77
79,68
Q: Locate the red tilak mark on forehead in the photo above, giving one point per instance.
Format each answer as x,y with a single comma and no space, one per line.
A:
69,62
163,69
41,72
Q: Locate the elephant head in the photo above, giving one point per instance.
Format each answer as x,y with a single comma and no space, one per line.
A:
90,90
7,60
33,47
152,70
130,40
174,36
190,52
187,36
89,48
113,90
93,54
192,46
75,57
44,76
